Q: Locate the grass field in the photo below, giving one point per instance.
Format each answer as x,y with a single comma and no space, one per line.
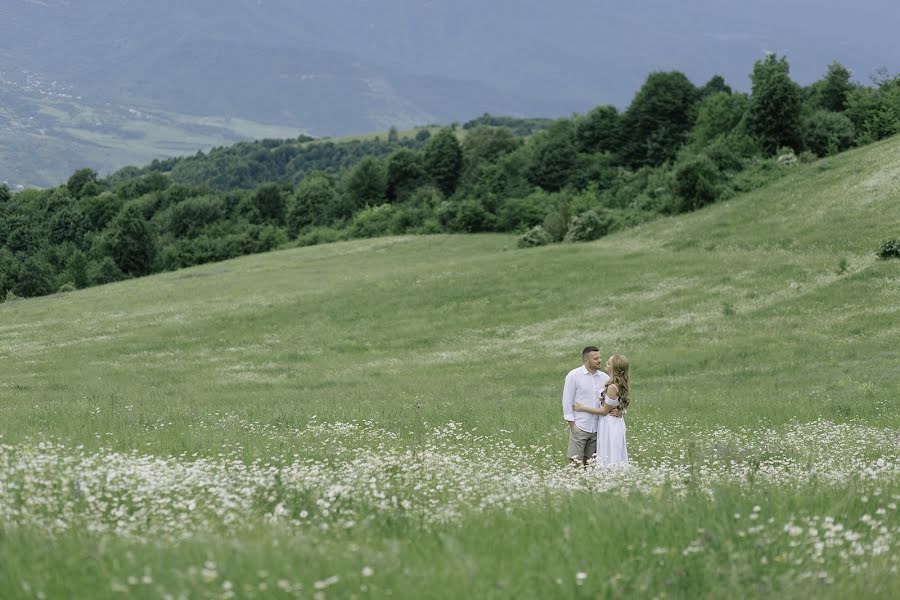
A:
382,417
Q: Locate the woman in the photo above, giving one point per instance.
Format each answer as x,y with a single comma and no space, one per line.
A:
611,448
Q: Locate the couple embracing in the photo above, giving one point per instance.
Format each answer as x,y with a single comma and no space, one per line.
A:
593,404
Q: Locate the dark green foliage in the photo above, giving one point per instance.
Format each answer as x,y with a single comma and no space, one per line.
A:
889,249
487,144
35,278
826,132
269,202
599,131
76,269
4,193
373,221
517,214
718,114
190,217
312,204
99,210
68,224
80,179
130,242
773,116
875,112
536,236
696,182
363,185
589,225
465,216
659,119
835,88
105,271
520,127
715,85
731,152
554,157
443,160
404,174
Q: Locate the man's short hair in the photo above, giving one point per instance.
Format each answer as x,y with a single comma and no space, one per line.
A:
588,350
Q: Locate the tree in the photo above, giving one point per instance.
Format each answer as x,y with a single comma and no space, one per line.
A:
188,218
314,201
836,87
715,85
773,116
270,204
130,242
487,144
826,132
67,225
554,158
695,182
443,160
404,174
658,119
79,180
600,130
718,115
364,184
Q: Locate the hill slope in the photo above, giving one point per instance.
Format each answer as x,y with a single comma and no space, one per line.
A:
462,307
386,412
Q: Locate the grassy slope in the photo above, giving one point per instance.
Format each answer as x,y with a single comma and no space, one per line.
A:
736,316
467,328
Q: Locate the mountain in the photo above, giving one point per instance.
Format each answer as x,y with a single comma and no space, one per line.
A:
105,83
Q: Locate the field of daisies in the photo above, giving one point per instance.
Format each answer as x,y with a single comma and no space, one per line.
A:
382,418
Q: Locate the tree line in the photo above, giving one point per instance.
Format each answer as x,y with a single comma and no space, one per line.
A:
677,147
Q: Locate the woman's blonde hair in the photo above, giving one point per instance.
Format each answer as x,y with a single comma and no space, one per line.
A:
618,376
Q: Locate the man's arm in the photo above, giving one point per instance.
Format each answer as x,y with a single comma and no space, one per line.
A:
568,400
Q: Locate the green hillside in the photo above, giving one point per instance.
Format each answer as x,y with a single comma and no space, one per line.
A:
278,390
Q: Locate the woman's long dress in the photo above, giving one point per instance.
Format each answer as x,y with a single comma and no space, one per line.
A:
611,448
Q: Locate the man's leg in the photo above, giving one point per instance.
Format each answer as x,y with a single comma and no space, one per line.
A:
590,447
577,441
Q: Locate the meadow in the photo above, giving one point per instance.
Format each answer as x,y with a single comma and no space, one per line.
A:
382,417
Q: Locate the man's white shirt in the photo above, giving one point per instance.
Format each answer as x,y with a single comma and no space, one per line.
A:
585,388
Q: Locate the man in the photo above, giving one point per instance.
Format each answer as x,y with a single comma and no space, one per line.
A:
583,384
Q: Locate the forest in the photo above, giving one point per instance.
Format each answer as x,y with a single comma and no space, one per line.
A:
677,147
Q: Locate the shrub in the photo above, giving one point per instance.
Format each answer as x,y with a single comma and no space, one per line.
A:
890,249
589,225
372,221
536,236
827,132
524,213
66,287
188,218
695,182
320,235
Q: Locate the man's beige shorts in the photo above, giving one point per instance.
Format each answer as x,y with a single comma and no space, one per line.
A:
582,445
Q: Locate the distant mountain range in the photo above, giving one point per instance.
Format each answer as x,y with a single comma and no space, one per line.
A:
104,83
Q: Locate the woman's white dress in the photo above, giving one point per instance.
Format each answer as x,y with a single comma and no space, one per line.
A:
611,447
